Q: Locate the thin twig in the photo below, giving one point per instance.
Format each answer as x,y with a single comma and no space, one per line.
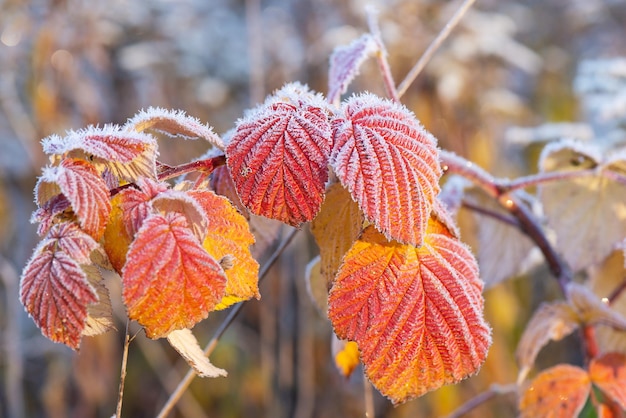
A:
483,397
381,55
617,292
524,182
120,394
206,166
509,201
434,45
184,384
492,214
368,391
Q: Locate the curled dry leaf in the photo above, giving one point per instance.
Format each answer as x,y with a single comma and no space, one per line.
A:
389,163
550,322
415,313
278,155
169,281
316,285
187,346
100,314
587,213
559,392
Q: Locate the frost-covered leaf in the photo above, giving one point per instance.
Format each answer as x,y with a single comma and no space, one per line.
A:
187,346
128,155
183,203
100,314
346,355
335,228
55,292
550,322
559,392
52,211
228,235
169,281
389,163
316,285
136,204
345,62
173,123
69,238
278,155
503,250
87,193
415,313
591,310
587,213
609,374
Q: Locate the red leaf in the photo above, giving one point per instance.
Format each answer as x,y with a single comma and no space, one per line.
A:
135,204
49,213
416,313
55,292
609,374
169,281
559,392
70,239
222,183
87,193
345,62
278,155
389,163
127,154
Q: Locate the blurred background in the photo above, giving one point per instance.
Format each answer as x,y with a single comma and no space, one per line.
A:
65,64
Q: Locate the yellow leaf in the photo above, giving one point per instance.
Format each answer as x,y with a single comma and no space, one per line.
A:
346,355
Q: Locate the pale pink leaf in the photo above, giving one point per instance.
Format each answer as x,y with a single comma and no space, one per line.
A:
278,156
69,238
389,163
187,346
128,155
55,292
87,193
173,123
50,213
345,62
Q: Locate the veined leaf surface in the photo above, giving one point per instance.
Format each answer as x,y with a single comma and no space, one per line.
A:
415,313
345,62
55,292
278,155
228,235
609,374
87,193
129,155
389,163
559,392
169,281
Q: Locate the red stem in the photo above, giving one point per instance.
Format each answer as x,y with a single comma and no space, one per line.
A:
206,166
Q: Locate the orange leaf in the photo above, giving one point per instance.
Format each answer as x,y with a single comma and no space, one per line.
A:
415,313
169,281
335,228
609,374
228,235
559,392
87,193
346,355
551,321
389,163
278,155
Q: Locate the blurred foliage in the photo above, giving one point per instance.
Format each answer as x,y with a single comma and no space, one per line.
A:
68,63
